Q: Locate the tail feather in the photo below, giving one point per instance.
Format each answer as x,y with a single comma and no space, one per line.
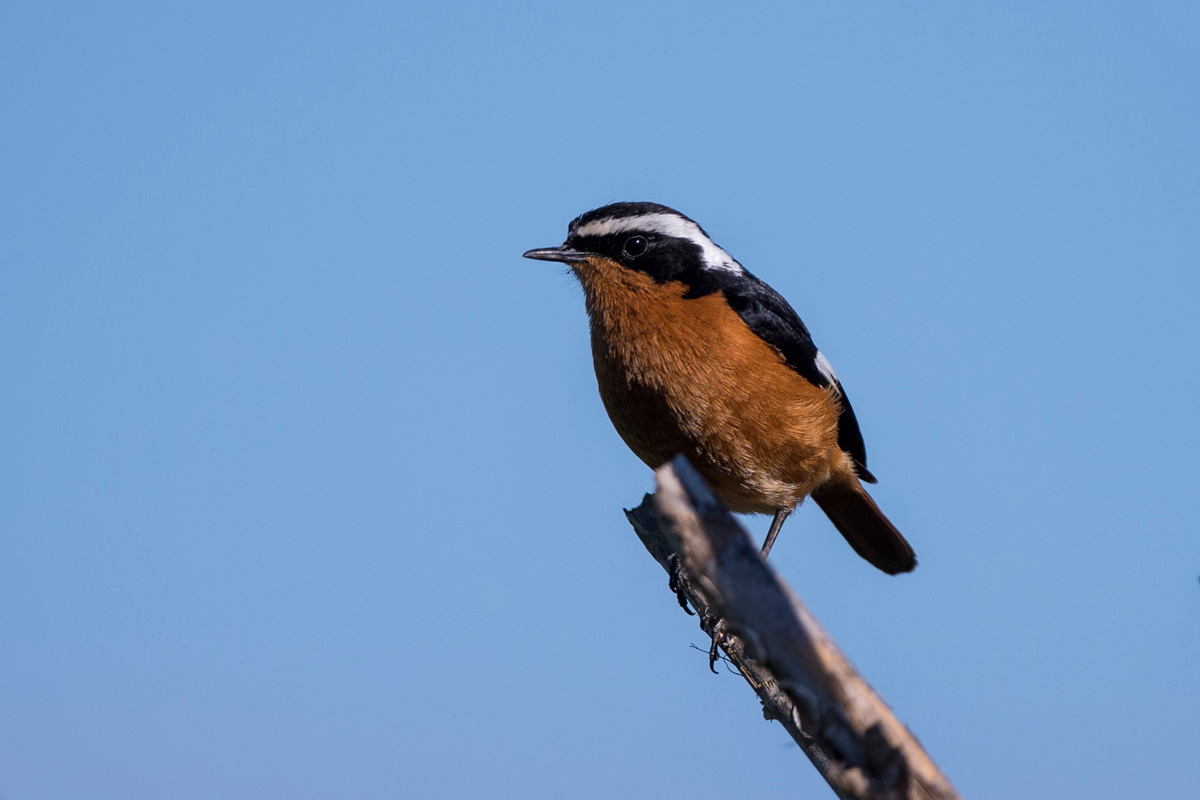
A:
869,532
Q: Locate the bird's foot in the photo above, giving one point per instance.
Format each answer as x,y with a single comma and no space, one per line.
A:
717,629
677,581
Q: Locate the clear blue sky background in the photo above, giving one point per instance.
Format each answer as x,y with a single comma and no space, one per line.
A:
305,488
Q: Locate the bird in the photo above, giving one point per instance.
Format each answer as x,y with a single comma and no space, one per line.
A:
694,355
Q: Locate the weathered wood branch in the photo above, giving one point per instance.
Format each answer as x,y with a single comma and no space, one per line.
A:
803,680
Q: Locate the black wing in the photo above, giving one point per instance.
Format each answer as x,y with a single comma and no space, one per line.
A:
774,321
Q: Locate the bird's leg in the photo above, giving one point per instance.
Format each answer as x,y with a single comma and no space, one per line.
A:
776,524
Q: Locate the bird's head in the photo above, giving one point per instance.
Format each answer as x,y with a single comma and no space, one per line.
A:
646,237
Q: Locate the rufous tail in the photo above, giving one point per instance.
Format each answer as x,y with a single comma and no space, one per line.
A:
869,532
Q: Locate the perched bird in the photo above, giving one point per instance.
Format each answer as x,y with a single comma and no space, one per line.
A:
695,355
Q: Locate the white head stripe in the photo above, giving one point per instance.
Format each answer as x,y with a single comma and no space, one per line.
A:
667,225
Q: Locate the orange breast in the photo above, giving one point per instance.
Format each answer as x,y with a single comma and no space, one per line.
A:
689,376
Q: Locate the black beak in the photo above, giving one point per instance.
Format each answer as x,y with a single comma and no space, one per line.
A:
561,253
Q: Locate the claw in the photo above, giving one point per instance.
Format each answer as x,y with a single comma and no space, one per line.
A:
713,654
676,582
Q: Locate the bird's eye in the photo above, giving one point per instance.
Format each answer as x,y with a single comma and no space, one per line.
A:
635,246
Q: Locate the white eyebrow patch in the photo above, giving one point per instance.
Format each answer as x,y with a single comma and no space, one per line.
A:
667,225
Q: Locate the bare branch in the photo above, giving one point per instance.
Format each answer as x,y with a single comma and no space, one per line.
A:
803,680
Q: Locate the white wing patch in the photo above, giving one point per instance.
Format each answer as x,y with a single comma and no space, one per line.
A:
667,225
825,368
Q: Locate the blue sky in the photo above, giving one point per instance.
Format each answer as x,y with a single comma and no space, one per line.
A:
305,488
